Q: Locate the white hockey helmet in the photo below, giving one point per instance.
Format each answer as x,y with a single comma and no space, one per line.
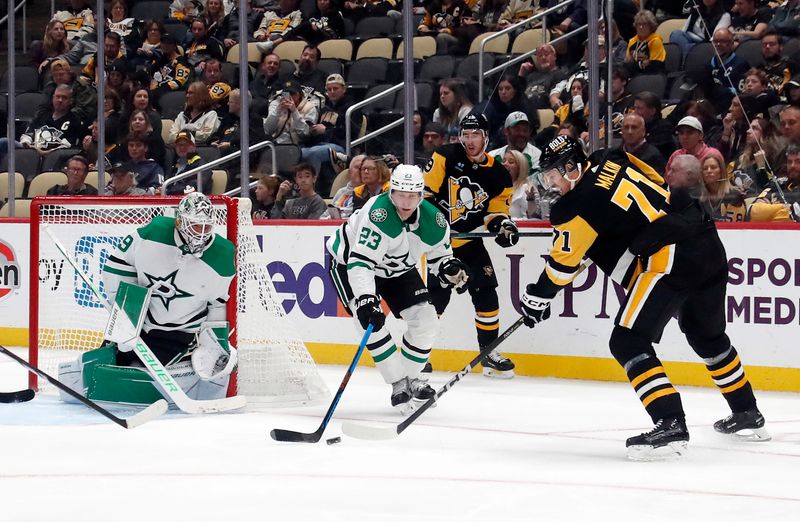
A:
406,178
194,221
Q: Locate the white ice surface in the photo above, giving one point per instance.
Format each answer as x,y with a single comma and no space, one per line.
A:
525,449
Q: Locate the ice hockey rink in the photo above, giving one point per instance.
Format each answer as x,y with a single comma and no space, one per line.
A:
525,449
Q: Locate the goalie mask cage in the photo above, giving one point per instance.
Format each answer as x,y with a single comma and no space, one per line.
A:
66,318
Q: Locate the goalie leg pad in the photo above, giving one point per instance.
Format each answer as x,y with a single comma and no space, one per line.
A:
417,342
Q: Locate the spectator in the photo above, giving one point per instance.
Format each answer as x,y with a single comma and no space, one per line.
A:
786,19
128,28
265,192
684,174
541,75
55,43
734,128
705,19
123,181
141,101
276,24
253,21
117,79
704,111
185,10
619,46
197,117
715,184
140,124
634,142
514,11
375,180
773,203
326,23
149,174
202,46
441,19
228,135
622,100
308,204
342,201
78,19
89,146
290,114
720,79
758,89
659,132
187,159
112,112
790,124
749,22
266,83
169,70
753,169
112,45
217,23
559,94
77,170
217,89
567,18
146,52
577,109
517,132
507,98
524,196
690,138
84,96
645,53
779,68
308,73
358,9
454,103
435,136
487,15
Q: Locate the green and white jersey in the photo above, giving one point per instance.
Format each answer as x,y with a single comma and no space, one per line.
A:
375,242
185,289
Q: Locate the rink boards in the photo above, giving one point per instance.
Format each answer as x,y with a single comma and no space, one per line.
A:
763,306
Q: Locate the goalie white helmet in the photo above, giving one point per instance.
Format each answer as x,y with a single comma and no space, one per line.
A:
194,221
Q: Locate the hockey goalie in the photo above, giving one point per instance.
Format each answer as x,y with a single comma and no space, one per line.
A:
167,284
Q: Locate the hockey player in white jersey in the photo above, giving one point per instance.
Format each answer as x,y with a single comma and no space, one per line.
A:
188,269
374,256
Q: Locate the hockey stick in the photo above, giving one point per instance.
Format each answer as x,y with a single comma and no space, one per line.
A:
296,436
17,396
468,235
149,413
362,431
165,381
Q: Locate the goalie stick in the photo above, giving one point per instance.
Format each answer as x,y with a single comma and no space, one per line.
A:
17,396
161,376
147,414
363,431
296,436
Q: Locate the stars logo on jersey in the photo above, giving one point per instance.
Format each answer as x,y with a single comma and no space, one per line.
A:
378,215
440,220
164,288
464,197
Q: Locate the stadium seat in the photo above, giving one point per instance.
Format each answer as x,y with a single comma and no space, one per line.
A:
424,46
340,181
376,48
26,104
331,66
91,178
290,50
437,68
253,54
339,48
424,98
22,208
374,26
368,71
166,126
150,10
176,29
468,67
44,182
382,104
19,185
26,79
666,27
287,156
57,159
546,117
219,179
498,45
672,63
750,51
26,162
698,56
655,83
527,40
287,68
208,154
172,103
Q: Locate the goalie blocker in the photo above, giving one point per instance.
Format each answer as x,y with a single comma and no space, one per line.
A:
201,366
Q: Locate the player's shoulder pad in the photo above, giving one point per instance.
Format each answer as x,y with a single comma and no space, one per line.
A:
220,256
160,230
432,224
383,216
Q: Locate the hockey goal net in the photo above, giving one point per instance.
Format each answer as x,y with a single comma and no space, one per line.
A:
66,318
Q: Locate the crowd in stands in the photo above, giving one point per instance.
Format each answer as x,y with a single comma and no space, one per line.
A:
716,80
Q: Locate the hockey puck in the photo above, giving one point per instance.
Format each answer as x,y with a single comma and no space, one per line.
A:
334,440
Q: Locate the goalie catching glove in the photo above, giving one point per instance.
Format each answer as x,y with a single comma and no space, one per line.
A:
368,311
454,274
535,308
214,356
506,232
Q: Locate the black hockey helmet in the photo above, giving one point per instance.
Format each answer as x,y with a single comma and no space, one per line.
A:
475,122
561,150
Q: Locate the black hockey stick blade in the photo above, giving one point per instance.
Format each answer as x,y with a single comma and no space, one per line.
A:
366,432
149,413
296,436
17,396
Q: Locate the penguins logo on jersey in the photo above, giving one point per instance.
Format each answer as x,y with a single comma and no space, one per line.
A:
464,198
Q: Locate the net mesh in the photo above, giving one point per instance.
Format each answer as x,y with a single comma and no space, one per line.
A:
274,364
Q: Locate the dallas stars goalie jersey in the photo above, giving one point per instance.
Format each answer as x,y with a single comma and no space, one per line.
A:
471,195
185,289
375,242
617,197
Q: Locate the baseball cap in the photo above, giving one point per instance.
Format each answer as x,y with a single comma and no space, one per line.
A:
120,167
292,86
690,121
515,118
185,134
438,128
336,78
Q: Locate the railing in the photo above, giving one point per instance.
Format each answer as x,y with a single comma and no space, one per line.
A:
525,56
219,161
348,128
24,6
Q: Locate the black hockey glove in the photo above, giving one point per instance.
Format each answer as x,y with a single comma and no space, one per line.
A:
368,311
535,309
454,274
507,234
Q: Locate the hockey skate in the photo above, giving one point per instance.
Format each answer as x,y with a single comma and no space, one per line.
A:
420,390
498,366
668,439
744,425
401,396
426,371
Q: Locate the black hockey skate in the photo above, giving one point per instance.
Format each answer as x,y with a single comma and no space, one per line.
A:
498,366
426,371
744,425
401,396
668,439
420,390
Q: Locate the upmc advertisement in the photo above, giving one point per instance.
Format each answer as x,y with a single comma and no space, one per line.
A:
762,308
